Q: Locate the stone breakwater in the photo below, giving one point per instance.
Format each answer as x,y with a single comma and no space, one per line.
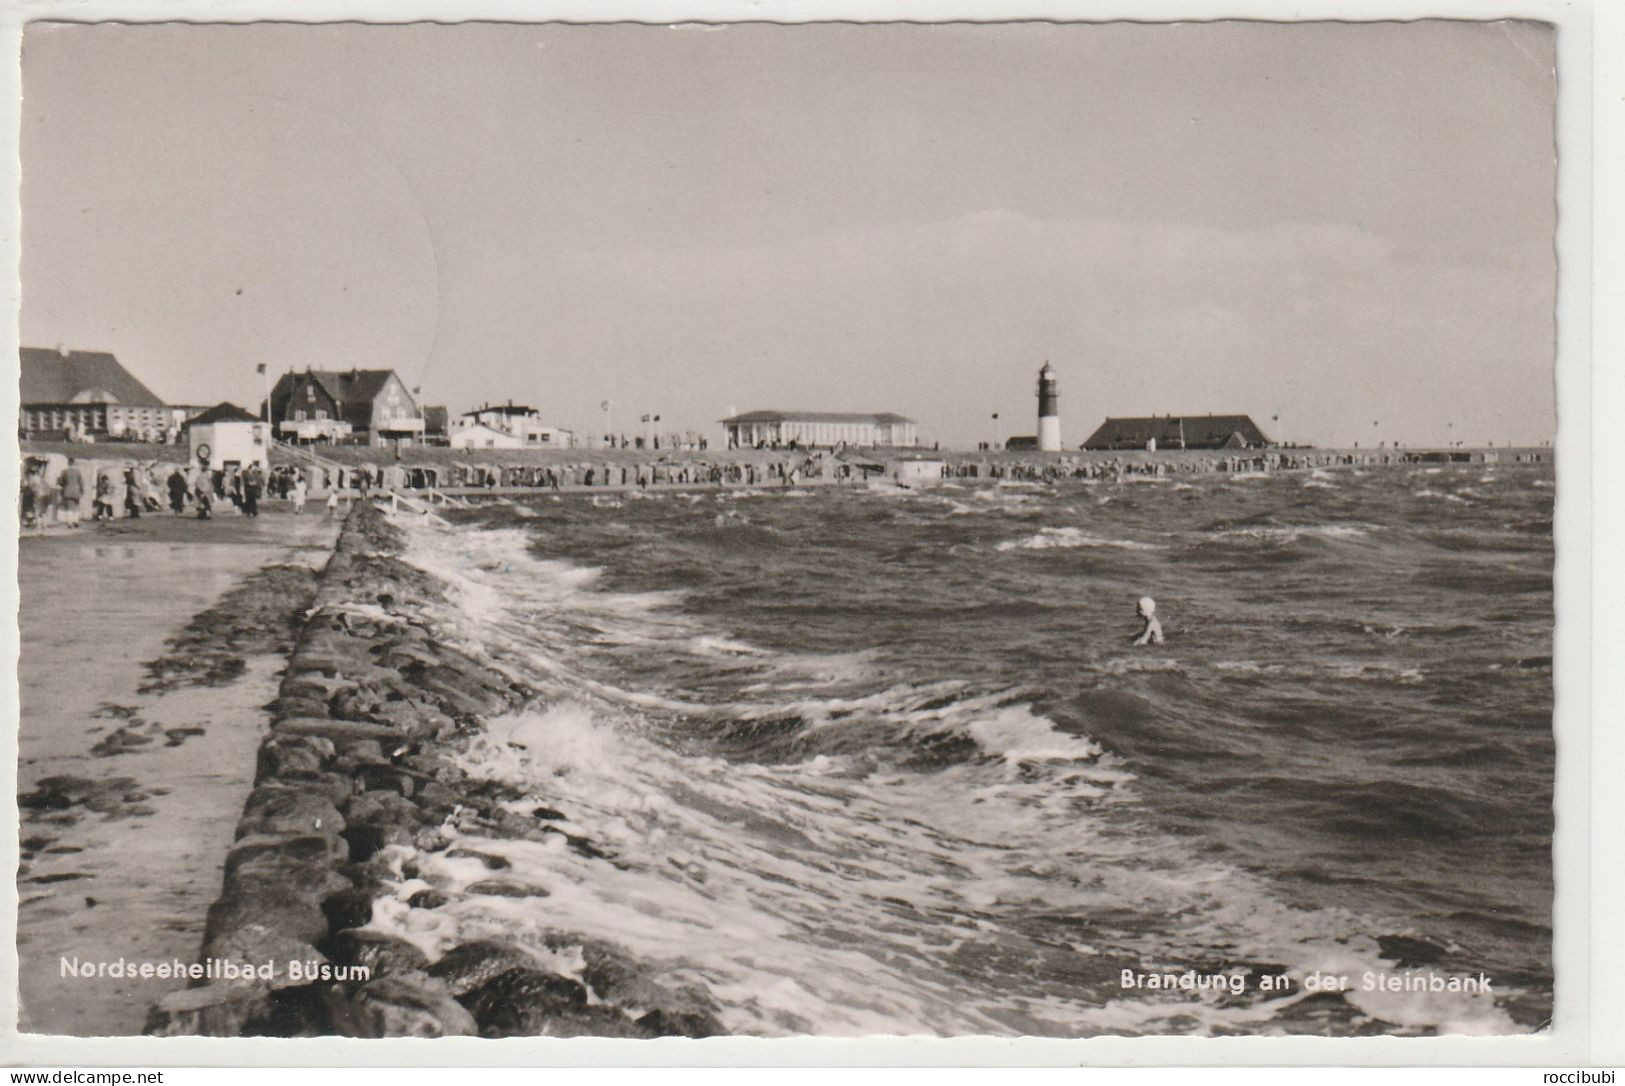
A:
354,787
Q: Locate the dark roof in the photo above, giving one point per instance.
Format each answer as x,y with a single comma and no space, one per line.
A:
52,377
354,386
502,409
352,391
881,418
223,412
435,420
1178,432
345,386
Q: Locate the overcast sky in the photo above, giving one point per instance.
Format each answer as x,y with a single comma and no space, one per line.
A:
1337,224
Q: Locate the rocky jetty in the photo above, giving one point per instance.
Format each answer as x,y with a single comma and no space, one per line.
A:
353,787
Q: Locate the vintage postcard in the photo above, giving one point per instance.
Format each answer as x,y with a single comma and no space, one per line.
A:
1026,529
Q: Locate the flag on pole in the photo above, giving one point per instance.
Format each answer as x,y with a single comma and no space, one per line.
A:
260,368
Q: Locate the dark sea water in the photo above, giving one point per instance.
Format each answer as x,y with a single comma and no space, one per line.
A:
886,762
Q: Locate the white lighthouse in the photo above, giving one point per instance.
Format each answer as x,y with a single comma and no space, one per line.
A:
1049,411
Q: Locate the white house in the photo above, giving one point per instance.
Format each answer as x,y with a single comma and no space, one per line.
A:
477,435
516,420
225,436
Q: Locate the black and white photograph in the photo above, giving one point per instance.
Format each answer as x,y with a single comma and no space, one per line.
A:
1030,529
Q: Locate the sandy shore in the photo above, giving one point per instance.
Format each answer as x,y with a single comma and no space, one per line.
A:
131,777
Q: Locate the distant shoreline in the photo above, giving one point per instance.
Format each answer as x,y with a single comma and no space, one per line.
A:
431,456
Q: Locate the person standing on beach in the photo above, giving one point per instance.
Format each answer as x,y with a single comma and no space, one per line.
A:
333,501
72,487
298,492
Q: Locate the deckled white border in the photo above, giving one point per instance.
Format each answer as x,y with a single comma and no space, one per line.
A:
1590,939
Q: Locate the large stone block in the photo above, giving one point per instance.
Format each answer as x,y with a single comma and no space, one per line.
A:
217,1010
408,1005
522,1002
378,952
468,965
238,939
304,863
337,730
279,809
283,754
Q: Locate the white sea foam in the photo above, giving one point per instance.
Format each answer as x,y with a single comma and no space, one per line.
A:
1378,672
1069,537
1426,493
1288,533
838,895
715,645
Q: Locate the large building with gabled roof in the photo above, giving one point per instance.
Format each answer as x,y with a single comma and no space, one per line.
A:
1178,432
373,406
85,393
778,428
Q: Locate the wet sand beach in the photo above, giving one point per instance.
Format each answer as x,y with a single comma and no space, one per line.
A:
142,688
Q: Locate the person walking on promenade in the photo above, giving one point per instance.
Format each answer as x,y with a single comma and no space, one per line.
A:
298,492
333,501
72,487
149,489
177,491
104,497
34,488
132,494
251,491
47,494
203,493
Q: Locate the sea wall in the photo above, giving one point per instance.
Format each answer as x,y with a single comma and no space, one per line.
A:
353,782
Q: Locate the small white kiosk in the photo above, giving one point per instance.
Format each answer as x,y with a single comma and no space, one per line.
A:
915,471
225,436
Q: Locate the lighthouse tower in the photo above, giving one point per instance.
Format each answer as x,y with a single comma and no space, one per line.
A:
1049,412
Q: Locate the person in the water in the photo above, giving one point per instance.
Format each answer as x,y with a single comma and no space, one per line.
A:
1147,610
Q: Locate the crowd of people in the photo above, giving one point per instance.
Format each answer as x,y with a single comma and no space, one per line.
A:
1253,460
57,494
54,493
